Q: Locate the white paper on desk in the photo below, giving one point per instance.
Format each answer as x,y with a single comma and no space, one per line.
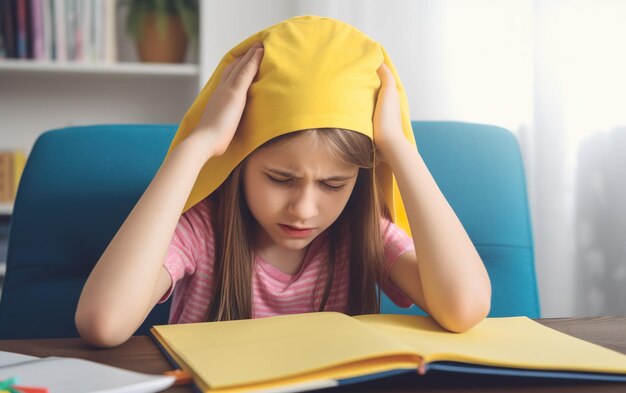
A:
8,358
71,375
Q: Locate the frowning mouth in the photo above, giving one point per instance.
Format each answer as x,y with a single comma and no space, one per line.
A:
295,231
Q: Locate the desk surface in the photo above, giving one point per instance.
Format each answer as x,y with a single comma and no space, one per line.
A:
141,354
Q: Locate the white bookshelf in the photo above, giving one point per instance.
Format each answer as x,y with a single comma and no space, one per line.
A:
15,67
36,96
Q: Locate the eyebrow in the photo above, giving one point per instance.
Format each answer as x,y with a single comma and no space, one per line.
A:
289,174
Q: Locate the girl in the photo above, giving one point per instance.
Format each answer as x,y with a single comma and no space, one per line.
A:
297,225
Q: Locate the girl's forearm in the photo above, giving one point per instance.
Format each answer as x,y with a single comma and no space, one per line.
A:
454,280
119,291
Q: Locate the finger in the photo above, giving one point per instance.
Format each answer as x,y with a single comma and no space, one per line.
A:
249,70
385,74
229,68
244,60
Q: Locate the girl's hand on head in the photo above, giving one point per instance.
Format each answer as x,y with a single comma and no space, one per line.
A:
387,118
223,111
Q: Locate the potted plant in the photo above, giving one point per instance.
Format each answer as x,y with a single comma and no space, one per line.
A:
162,28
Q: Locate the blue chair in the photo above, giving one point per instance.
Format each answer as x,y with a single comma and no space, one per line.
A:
479,170
78,186
80,183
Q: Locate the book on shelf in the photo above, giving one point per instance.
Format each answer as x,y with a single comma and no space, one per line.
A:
11,167
308,351
58,30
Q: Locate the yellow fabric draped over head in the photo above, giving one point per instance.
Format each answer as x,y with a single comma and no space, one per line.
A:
316,72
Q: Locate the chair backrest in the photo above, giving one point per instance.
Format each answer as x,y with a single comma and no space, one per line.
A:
80,183
480,171
78,186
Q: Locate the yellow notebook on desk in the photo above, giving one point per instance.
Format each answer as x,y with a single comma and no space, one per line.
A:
315,350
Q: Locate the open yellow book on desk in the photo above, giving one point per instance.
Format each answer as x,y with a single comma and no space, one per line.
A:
316,350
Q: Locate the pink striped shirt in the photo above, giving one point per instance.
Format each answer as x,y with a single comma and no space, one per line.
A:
190,259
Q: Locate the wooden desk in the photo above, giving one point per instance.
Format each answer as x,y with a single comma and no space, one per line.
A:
141,354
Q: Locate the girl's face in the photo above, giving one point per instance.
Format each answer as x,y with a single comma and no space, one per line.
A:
296,189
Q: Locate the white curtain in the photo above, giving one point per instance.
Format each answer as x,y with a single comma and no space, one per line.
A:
576,154
551,71
583,60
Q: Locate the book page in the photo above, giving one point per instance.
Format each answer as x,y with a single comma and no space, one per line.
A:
245,352
516,342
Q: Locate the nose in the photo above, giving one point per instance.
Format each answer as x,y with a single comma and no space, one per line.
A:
303,204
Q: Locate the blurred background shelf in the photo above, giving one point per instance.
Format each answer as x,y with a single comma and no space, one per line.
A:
14,66
41,95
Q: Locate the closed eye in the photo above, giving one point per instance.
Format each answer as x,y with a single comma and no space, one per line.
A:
331,188
279,181
286,182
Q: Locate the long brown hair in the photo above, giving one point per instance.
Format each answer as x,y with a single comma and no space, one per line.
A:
234,256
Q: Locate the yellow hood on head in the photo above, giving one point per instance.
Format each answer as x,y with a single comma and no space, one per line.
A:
316,72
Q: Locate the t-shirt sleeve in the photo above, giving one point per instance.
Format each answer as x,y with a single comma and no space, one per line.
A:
396,243
186,245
